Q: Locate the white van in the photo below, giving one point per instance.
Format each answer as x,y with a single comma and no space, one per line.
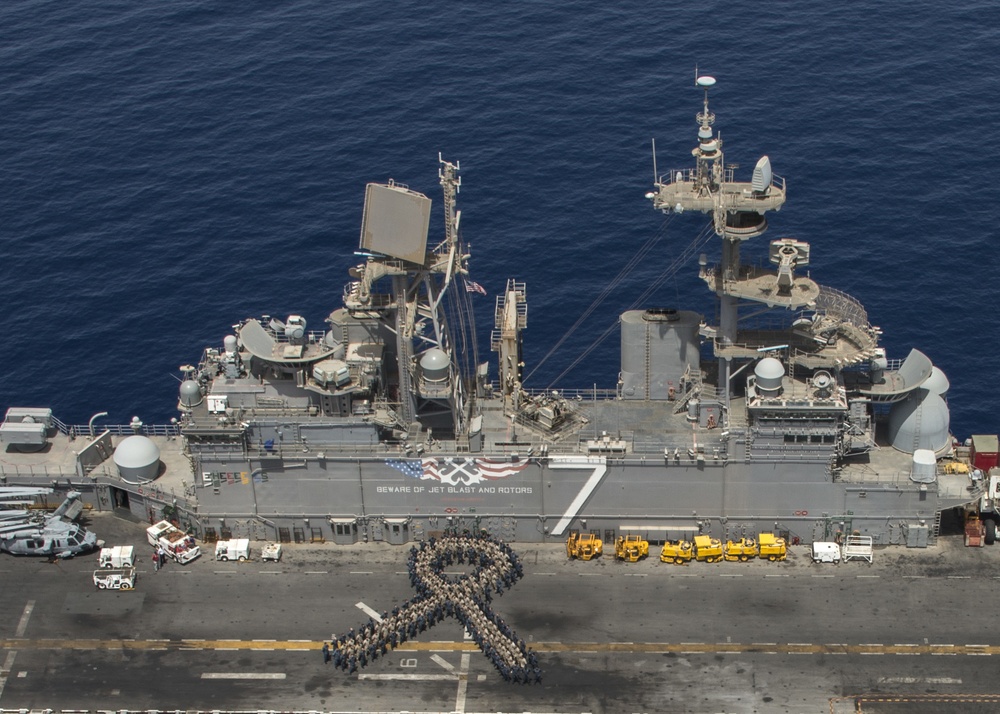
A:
236,549
825,552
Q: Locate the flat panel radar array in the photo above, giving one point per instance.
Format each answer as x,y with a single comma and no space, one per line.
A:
395,222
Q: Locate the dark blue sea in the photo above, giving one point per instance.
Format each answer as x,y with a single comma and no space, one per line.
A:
168,168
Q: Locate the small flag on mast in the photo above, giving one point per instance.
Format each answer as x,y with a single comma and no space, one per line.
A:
474,287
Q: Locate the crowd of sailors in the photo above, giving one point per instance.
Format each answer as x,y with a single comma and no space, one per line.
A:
495,567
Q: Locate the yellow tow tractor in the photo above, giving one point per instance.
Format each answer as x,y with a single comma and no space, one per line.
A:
631,548
678,552
707,548
741,550
583,546
772,547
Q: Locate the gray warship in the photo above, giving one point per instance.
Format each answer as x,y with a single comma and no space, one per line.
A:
781,413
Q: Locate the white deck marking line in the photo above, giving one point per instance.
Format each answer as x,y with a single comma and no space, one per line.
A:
368,611
442,662
243,675
919,680
463,684
8,664
599,464
317,572
361,572
22,624
409,677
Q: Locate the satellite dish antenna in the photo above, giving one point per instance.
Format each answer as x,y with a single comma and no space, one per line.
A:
705,81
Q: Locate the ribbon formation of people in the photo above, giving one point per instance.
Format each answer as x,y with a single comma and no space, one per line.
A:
494,566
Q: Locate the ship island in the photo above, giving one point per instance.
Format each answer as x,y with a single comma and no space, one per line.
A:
780,413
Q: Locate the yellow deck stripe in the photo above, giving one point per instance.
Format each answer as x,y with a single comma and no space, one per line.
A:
583,647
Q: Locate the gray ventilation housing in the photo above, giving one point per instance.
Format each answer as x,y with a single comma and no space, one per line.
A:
924,466
937,383
658,346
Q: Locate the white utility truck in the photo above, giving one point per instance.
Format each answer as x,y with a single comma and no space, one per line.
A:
271,551
120,579
825,552
235,549
119,556
178,545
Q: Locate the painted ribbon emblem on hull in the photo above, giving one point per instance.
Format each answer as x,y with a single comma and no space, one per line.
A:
457,471
494,567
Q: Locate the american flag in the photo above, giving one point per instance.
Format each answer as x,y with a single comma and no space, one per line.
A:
472,286
457,471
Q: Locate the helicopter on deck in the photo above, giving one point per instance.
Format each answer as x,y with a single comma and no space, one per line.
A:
54,535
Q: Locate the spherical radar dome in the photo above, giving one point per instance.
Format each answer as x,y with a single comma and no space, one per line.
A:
137,459
769,372
136,452
434,364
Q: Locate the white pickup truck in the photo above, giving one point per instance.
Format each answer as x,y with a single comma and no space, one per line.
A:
120,579
178,545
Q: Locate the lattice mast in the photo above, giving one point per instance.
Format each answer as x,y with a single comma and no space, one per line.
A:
432,391
737,208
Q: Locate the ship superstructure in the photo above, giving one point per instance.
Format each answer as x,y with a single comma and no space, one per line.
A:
782,413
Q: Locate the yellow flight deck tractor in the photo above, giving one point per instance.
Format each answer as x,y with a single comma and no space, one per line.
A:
583,546
678,552
707,548
772,547
631,548
741,550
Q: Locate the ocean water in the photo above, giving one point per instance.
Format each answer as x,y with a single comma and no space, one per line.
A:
169,168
